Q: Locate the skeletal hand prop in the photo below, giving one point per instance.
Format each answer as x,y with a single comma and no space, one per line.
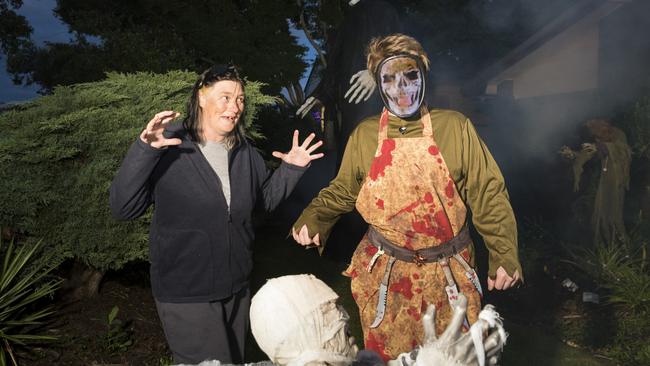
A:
579,158
566,152
363,85
307,106
480,346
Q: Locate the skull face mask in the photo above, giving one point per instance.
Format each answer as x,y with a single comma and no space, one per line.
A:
401,84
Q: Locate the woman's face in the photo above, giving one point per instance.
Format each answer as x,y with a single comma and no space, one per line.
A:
222,103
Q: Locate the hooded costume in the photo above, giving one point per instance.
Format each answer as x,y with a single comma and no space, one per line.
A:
615,156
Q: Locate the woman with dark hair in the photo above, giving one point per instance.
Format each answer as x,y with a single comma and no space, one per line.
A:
204,179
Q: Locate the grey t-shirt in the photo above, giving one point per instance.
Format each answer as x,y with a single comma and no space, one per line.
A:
217,155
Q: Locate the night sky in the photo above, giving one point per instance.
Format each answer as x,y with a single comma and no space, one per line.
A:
46,28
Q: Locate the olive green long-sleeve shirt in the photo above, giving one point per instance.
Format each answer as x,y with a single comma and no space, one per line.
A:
477,176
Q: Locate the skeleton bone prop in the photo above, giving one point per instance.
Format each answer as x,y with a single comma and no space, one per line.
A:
362,85
454,348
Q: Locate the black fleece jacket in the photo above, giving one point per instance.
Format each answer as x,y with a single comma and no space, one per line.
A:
199,250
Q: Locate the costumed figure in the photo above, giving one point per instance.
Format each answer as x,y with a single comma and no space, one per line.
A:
204,179
611,148
410,173
345,93
296,321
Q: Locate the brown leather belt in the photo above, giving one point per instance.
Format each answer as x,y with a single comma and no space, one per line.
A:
427,255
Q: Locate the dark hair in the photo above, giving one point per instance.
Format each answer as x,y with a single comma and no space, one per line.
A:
191,123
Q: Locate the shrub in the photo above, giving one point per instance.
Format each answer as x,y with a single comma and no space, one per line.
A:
623,277
59,153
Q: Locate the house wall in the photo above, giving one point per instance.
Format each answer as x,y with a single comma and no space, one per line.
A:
592,69
567,63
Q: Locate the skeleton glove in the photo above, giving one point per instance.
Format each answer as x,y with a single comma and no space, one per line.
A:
480,346
307,106
363,85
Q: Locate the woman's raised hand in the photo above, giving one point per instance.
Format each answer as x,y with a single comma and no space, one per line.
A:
300,155
153,133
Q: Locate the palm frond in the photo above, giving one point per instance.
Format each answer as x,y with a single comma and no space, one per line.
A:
24,283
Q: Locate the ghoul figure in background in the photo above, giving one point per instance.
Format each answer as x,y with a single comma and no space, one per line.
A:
412,172
610,147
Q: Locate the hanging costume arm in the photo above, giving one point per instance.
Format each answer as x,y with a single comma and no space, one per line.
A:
581,157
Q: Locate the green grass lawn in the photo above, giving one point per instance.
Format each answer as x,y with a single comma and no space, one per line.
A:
277,256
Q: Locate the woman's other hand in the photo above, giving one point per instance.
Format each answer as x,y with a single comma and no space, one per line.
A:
153,133
300,154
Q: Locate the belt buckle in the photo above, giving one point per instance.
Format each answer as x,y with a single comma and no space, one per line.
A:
418,259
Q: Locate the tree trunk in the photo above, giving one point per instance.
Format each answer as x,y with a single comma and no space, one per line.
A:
82,282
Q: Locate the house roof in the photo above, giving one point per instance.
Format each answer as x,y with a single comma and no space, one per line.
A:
559,24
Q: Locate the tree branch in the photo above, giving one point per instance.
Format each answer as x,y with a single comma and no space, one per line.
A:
303,26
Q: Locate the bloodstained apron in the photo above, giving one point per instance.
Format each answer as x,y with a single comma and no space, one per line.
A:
411,200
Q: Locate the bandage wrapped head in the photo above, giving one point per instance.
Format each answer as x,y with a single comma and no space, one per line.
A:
296,321
401,84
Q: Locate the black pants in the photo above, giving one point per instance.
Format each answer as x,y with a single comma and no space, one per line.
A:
214,330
